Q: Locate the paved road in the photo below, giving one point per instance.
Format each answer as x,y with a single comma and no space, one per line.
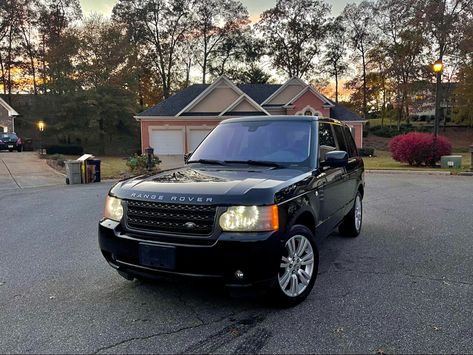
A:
405,285
25,170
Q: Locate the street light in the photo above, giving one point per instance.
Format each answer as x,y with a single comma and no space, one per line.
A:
41,126
437,67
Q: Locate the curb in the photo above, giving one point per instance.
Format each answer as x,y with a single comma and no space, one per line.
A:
410,172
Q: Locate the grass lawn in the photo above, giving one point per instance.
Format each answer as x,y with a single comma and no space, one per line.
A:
112,167
383,160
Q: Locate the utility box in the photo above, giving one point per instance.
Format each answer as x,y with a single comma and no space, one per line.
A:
73,172
451,161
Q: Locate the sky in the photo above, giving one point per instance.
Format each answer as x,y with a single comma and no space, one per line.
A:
255,7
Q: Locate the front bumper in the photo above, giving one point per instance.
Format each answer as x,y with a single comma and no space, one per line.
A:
257,255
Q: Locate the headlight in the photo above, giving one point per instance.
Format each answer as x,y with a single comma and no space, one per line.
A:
250,219
113,209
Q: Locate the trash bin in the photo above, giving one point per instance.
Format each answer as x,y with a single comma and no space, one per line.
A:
96,164
73,172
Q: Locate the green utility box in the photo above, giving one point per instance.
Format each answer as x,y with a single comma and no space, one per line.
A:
451,161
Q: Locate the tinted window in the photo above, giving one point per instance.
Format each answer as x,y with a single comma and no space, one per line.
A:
8,135
326,135
351,146
275,141
340,138
326,140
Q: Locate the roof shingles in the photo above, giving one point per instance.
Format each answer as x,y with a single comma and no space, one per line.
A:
258,92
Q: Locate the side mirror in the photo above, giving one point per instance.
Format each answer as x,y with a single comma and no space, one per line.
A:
336,159
187,156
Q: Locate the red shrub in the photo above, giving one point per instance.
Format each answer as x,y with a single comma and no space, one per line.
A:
416,148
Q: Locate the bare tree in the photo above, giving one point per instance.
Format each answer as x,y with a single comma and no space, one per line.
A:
218,24
360,26
334,56
159,26
294,31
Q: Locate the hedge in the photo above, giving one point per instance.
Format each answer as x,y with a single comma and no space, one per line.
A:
66,149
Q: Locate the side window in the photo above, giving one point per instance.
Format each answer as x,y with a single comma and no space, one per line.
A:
352,151
326,140
340,138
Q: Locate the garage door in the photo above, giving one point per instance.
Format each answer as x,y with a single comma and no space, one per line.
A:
167,141
195,137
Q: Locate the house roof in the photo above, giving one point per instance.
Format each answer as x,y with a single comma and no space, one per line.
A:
174,104
258,92
10,110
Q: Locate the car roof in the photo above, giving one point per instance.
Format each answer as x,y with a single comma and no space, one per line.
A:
282,118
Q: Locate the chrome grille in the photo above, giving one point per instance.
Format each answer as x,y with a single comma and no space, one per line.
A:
170,218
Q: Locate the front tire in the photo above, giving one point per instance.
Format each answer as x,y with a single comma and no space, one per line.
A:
298,267
351,225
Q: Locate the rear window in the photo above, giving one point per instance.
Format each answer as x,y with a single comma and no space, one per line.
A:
8,135
351,146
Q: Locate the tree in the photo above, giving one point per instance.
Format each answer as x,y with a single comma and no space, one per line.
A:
218,26
294,31
57,44
159,27
403,46
28,30
359,22
9,18
335,52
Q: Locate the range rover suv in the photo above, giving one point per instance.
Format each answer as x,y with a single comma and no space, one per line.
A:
249,207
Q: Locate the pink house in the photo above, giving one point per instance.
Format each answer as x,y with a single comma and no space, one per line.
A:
178,124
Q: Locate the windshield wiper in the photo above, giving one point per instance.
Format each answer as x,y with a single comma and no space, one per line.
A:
207,161
254,162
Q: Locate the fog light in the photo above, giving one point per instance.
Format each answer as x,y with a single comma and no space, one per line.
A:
239,274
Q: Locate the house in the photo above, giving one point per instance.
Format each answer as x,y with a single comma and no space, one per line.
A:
178,124
7,117
422,101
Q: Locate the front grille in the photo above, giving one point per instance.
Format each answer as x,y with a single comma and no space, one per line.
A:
170,218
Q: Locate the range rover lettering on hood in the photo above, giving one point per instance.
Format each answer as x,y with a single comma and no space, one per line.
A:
170,198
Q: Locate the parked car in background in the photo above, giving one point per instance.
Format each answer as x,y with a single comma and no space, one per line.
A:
10,142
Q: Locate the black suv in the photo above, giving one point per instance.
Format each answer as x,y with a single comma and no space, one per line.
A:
11,142
249,207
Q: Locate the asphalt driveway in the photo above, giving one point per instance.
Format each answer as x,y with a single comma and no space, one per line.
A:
26,170
405,285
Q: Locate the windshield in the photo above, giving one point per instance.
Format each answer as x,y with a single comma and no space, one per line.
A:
283,142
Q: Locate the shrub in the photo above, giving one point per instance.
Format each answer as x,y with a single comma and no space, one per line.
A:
138,163
417,148
366,152
66,149
390,132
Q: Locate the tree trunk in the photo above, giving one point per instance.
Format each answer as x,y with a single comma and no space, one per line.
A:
336,86
2,68
365,104
33,73
204,69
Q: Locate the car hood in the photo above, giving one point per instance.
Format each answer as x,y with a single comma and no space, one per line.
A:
203,185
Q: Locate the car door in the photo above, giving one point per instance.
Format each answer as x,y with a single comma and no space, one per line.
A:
330,197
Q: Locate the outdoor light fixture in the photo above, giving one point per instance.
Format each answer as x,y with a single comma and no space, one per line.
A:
41,126
438,66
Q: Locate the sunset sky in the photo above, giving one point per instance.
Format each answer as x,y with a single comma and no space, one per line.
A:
255,7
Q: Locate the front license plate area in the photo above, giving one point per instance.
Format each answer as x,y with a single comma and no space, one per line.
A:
10,146
157,256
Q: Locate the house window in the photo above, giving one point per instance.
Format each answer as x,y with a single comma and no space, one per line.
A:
308,113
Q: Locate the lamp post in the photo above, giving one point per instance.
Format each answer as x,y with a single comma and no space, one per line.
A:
437,68
41,126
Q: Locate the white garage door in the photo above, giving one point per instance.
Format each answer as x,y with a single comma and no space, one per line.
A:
167,141
195,137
